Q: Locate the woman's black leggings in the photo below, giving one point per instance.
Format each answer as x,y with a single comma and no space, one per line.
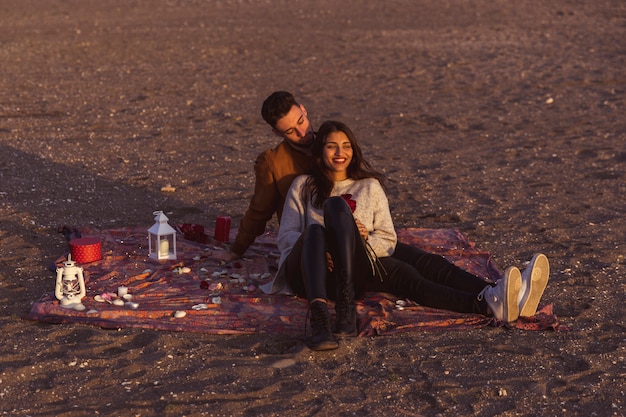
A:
306,266
431,281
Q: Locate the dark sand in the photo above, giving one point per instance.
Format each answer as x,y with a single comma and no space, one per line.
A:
503,119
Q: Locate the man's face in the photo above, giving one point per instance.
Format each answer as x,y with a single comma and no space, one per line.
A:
295,126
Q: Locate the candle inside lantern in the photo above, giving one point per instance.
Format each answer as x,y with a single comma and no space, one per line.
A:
164,247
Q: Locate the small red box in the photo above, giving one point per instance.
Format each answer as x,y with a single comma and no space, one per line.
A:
222,228
86,249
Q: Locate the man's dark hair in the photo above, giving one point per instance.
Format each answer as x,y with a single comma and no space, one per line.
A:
276,106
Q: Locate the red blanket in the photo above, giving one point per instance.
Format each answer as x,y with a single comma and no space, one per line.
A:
219,299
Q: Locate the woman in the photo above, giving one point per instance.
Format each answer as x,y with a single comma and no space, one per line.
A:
333,218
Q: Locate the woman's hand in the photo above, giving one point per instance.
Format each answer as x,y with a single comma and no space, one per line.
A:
362,230
329,262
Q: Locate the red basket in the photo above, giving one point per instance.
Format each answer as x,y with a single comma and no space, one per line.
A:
86,249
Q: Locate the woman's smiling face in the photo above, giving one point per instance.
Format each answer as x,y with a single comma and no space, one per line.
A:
337,155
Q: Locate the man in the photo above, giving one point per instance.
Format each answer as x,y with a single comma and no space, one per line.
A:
276,168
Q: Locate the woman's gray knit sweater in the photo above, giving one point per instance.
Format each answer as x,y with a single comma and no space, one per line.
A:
372,210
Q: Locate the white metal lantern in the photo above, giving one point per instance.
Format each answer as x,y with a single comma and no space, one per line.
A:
161,238
70,285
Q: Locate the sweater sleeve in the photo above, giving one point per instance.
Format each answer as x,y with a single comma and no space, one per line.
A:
382,237
293,221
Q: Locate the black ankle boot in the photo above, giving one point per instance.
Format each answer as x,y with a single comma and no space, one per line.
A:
322,338
345,320
345,306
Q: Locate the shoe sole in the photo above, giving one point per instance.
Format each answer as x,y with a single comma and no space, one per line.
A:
513,278
344,334
328,345
540,273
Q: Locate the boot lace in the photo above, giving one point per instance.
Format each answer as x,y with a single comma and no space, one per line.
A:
342,308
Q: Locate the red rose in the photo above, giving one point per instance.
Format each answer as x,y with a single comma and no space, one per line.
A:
350,201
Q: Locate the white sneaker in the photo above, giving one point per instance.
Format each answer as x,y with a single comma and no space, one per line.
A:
502,299
534,281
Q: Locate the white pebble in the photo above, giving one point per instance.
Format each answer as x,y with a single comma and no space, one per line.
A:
180,313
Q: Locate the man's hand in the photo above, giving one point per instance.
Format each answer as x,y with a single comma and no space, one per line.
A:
225,256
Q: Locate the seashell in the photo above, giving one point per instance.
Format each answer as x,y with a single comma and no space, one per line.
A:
108,296
180,314
260,276
168,188
283,363
99,298
127,297
196,258
118,302
185,270
132,305
215,286
200,307
147,271
216,300
204,269
401,303
92,311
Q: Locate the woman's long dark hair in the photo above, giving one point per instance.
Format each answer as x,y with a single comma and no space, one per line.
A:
320,184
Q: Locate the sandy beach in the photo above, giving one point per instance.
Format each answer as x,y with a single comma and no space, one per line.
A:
505,120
